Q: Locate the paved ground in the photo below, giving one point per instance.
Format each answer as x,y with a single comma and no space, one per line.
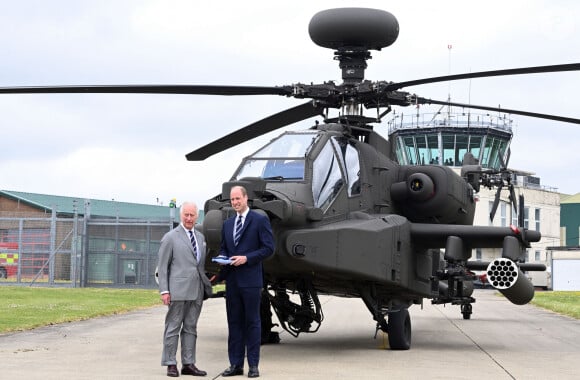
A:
501,341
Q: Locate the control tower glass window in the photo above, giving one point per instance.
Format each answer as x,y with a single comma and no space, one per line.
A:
494,148
449,150
423,153
475,145
461,142
410,151
282,159
433,149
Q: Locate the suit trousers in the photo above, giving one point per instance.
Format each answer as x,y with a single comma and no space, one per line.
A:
180,321
245,330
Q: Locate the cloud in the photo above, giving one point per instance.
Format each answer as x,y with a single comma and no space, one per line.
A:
132,147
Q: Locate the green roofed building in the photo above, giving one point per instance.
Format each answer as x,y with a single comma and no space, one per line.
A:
24,204
570,220
65,240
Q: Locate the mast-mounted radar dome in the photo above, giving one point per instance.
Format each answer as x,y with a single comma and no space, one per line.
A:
352,32
353,28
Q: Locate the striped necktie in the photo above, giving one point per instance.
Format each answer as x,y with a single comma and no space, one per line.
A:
238,230
193,243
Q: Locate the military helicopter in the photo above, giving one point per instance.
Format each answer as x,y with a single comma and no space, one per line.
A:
348,219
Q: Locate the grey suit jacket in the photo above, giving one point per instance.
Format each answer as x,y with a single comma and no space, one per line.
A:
179,271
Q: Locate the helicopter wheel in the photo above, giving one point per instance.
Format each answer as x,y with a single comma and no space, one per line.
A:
466,310
400,329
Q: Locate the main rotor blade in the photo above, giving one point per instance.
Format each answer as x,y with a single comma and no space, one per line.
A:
269,124
149,89
420,100
513,199
483,74
495,201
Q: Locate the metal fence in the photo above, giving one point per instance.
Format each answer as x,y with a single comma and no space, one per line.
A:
80,252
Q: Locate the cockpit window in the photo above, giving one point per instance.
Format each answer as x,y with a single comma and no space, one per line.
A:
348,158
288,145
282,159
326,178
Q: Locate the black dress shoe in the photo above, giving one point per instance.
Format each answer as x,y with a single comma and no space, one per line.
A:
233,371
190,369
253,371
172,371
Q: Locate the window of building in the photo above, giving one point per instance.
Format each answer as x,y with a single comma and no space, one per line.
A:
503,214
433,149
410,151
422,150
475,145
449,150
537,256
527,255
494,148
537,218
478,254
461,148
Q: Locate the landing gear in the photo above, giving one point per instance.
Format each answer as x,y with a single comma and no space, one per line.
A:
455,286
295,318
399,329
399,326
466,310
268,336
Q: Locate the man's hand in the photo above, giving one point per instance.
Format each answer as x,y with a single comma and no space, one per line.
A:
238,260
166,298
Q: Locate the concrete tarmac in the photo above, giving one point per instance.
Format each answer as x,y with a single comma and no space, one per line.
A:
501,341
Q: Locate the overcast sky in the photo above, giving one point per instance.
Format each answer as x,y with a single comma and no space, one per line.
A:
132,147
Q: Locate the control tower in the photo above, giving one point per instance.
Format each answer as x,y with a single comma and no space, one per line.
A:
443,138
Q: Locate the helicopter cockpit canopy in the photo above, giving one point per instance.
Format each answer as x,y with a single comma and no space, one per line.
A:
283,159
336,165
295,157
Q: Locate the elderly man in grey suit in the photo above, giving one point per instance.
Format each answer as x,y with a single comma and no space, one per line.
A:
183,286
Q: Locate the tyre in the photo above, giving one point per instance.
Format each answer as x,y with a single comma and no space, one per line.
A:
399,329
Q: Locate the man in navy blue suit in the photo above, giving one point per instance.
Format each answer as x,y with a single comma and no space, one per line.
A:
247,240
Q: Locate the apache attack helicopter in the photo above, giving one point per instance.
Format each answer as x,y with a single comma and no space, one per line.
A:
348,219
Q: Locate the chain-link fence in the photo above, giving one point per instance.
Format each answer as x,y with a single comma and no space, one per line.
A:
80,252
122,252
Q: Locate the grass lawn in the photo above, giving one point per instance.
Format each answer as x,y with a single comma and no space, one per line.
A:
567,303
24,308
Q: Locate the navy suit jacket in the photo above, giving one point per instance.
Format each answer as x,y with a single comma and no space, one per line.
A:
256,243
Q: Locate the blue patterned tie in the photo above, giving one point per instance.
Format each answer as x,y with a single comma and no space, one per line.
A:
193,243
238,230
